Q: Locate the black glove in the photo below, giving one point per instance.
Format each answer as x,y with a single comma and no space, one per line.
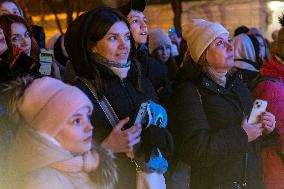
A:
155,137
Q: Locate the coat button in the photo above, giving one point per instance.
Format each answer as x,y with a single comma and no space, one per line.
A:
218,90
207,84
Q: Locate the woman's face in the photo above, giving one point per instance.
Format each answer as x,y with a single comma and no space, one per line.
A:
76,135
3,44
115,45
163,53
220,54
20,37
9,8
138,26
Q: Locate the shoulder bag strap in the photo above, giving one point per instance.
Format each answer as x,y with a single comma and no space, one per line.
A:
109,112
104,104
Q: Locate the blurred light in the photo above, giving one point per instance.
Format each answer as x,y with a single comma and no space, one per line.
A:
274,5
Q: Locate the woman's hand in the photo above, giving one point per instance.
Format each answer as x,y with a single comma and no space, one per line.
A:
268,122
122,140
253,130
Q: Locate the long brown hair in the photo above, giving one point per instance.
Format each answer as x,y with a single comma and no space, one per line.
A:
6,22
83,34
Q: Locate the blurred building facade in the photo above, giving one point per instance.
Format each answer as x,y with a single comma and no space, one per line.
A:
262,14
231,13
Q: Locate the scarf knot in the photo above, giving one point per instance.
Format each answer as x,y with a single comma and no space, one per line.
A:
120,70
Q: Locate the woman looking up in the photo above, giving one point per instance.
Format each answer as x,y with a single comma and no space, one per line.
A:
210,108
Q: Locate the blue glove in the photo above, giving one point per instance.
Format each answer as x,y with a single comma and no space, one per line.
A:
159,115
156,141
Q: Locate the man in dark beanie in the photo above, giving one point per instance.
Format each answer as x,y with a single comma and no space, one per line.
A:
151,68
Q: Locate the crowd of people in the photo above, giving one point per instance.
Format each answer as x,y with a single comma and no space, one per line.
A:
80,126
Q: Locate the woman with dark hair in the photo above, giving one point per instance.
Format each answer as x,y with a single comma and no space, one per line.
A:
101,50
209,107
23,49
12,7
19,35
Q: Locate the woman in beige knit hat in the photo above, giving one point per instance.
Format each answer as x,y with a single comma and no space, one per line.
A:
210,109
53,146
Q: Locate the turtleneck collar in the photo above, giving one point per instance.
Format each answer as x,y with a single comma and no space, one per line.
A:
120,70
216,76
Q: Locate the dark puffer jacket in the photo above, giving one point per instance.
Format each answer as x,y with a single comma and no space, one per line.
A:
125,100
208,131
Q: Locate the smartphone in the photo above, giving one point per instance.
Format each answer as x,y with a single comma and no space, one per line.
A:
259,106
140,119
46,59
141,115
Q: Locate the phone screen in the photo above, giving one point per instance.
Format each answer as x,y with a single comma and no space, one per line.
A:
46,57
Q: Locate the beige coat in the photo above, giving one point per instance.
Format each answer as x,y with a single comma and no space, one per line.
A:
29,164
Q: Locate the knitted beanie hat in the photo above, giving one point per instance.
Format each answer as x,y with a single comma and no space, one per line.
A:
157,38
199,34
48,103
280,40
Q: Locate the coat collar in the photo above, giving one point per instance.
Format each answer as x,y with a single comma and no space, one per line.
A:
232,81
190,71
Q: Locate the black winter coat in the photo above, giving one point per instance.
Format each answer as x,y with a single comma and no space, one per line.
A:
125,99
206,124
